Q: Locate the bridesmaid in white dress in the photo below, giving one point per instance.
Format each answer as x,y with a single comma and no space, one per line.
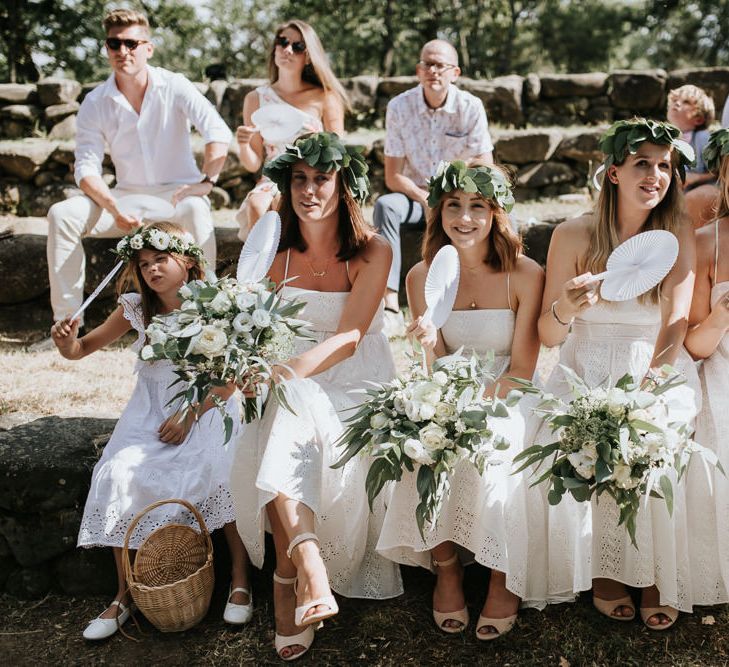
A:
587,548
496,309
707,339
301,78
322,527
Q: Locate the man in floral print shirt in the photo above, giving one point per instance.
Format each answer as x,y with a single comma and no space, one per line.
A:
432,122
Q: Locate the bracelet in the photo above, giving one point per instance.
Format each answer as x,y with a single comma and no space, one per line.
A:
556,317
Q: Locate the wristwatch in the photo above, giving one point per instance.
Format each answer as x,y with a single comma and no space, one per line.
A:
207,179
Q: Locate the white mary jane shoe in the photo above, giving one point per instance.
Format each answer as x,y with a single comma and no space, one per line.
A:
102,628
238,614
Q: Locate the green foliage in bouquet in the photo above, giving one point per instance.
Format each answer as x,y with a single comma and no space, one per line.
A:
226,332
429,422
620,440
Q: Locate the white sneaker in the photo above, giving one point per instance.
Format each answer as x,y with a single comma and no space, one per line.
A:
394,326
101,628
238,614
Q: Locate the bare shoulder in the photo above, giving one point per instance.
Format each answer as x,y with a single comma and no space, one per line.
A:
574,233
377,248
527,269
417,275
278,267
251,101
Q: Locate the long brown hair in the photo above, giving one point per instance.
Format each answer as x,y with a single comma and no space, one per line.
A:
131,278
668,215
318,71
721,205
353,230
505,246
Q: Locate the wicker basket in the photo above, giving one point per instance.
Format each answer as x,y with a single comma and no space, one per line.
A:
172,580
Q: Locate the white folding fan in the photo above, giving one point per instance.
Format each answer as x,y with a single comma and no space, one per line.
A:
278,123
638,265
146,207
441,285
260,248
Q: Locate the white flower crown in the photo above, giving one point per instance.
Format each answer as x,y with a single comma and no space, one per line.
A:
156,239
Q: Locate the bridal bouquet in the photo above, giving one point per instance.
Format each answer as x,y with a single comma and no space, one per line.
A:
620,440
225,331
429,421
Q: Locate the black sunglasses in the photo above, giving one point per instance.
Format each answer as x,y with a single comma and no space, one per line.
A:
114,43
296,47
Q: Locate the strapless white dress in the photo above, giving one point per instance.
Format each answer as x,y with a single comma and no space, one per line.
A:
488,516
291,453
584,539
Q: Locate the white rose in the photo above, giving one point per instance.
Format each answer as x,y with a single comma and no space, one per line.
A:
616,401
378,420
185,292
210,342
242,322
583,462
440,378
426,411
433,437
137,242
189,305
147,353
622,478
415,450
261,318
427,392
221,303
159,239
156,336
445,411
399,404
245,300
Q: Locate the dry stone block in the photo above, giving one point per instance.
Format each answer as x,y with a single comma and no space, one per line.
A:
9,198
525,146
543,174
85,572
536,238
714,80
56,90
29,583
16,93
34,538
532,87
58,112
20,112
362,91
501,97
63,153
589,84
389,87
25,273
582,146
638,90
231,108
24,158
66,129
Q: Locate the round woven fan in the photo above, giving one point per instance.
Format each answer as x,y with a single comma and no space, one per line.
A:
278,123
260,249
146,207
441,285
638,265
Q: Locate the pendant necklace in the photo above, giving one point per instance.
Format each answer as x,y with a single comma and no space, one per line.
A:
319,274
472,305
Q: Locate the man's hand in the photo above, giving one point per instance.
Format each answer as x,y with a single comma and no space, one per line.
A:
126,223
191,190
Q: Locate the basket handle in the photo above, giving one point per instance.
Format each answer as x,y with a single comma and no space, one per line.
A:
170,501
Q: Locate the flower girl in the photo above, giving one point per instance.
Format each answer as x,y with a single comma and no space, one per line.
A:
322,529
152,454
587,548
496,310
707,339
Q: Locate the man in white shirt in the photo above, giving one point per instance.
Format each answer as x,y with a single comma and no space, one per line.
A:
143,114
432,122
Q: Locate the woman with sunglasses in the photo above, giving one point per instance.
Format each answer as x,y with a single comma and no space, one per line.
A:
301,78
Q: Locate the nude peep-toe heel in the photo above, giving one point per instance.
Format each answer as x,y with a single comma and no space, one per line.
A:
300,617
647,612
305,638
501,625
460,616
608,607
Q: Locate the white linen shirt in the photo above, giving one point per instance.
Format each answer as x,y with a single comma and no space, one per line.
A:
151,148
424,137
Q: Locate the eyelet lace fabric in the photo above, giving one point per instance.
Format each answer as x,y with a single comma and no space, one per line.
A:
496,518
291,453
584,539
137,469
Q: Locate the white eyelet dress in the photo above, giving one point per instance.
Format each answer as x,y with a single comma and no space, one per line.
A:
291,454
709,515
584,539
489,515
136,468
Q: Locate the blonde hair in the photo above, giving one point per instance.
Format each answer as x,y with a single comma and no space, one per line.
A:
505,246
702,102
668,215
318,71
722,201
131,277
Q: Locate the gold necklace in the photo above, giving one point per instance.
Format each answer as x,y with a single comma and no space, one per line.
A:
314,272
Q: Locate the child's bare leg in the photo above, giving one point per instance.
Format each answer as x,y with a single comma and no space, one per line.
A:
239,563
122,594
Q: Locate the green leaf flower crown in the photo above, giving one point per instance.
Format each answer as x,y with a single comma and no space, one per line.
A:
716,149
157,239
490,182
326,152
625,137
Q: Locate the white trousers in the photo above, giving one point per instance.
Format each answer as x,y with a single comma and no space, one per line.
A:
71,220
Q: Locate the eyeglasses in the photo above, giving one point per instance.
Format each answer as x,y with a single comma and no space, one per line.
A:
436,67
114,43
296,47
